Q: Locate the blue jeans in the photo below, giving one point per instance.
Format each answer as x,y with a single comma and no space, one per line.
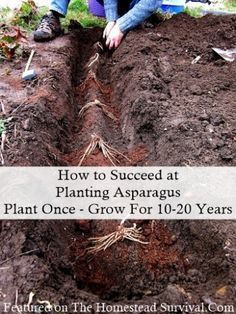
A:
61,6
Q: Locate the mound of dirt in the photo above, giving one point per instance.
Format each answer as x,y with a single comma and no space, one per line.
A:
147,103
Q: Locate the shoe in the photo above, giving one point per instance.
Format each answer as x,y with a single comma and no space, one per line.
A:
48,29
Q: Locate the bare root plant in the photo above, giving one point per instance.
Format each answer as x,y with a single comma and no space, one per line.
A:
102,243
91,77
100,105
2,158
3,140
98,46
107,151
93,60
2,147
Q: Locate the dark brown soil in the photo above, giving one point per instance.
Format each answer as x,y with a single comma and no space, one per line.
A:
156,108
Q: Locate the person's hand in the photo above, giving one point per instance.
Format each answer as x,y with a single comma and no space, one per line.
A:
114,38
108,29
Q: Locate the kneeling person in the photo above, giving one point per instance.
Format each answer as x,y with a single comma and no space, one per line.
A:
122,16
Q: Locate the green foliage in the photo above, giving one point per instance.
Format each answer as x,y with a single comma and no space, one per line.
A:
194,12
78,10
85,19
78,5
2,126
4,12
230,5
10,40
26,15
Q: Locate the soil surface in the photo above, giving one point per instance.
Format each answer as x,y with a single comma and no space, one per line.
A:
149,104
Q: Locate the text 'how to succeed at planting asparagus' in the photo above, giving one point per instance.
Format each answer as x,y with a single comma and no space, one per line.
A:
118,193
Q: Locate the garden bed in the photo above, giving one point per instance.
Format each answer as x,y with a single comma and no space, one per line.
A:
150,105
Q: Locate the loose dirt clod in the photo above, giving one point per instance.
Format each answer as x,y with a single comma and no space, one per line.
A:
104,242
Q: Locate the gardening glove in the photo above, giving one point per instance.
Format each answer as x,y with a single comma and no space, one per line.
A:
114,38
108,29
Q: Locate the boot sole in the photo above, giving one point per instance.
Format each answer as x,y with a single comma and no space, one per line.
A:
44,38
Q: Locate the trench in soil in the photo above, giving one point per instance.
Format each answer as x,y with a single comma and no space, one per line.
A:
128,270
109,273
141,111
97,113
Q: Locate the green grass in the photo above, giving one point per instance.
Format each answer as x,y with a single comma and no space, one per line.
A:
2,126
78,5
230,5
194,12
4,12
28,16
78,11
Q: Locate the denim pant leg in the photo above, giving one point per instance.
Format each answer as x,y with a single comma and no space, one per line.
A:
59,6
